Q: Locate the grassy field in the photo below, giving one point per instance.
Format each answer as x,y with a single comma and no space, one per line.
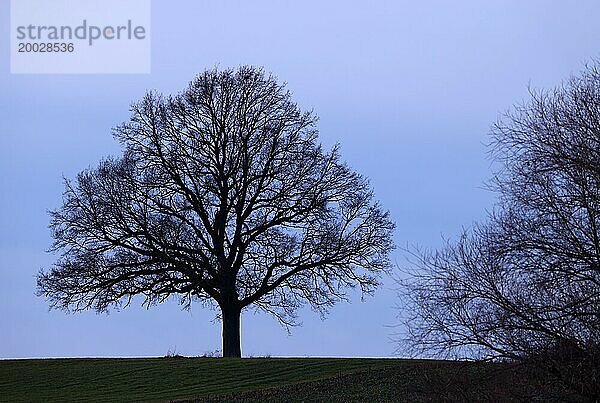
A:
249,379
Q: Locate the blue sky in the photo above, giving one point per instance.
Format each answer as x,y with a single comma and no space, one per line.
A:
408,88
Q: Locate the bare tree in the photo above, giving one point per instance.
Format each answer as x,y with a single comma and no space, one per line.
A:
525,285
222,195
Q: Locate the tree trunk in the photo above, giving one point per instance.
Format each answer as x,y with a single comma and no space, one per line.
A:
231,331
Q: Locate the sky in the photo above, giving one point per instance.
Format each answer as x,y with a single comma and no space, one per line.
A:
409,89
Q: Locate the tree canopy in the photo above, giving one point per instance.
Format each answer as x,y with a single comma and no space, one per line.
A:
524,286
224,196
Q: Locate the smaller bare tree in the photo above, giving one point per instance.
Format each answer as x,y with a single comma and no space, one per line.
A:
525,286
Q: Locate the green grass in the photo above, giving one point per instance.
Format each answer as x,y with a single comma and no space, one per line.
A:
249,379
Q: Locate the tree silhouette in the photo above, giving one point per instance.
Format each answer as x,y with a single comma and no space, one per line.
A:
525,286
224,196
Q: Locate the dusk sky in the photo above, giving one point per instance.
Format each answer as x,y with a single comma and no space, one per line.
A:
409,90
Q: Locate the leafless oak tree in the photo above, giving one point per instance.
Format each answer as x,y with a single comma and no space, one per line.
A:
525,285
224,196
